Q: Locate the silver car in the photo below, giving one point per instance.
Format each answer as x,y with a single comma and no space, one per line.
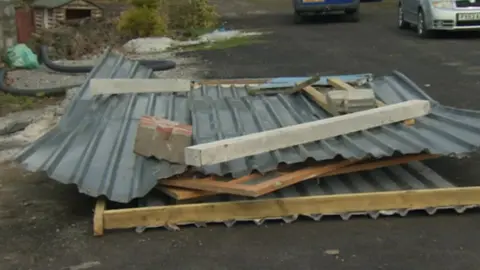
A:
431,15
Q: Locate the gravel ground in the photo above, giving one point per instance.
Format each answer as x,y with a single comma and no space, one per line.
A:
45,225
43,78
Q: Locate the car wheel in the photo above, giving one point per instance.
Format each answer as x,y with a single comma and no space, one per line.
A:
422,30
353,15
297,18
402,24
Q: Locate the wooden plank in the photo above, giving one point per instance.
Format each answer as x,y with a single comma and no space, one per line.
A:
183,194
318,97
128,86
339,84
98,216
289,90
267,185
261,142
277,180
232,81
305,205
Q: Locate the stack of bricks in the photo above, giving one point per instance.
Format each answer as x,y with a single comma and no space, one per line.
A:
162,139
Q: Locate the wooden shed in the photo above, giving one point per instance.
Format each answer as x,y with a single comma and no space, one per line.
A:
49,13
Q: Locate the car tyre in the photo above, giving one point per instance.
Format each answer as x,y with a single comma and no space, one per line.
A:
353,15
298,18
402,24
422,30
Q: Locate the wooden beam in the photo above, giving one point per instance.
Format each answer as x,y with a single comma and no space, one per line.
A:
98,217
289,90
339,84
128,86
318,97
183,194
266,184
233,81
304,205
261,142
277,180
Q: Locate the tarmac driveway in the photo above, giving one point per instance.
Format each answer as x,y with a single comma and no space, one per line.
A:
48,225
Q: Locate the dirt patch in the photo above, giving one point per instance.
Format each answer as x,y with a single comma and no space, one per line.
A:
10,104
36,211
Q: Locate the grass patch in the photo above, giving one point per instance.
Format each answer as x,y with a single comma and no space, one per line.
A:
222,44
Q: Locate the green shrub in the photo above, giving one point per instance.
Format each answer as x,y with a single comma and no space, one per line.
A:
158,17
192,15
146,3
142,22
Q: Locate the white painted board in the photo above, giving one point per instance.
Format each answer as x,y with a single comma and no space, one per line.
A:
257,143
129,86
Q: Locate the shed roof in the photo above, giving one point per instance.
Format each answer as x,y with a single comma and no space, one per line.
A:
55,3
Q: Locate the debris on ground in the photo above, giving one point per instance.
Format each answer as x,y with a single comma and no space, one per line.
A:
255,157
148,45
332,252
161,44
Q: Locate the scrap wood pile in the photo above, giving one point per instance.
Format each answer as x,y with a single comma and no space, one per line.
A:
196,152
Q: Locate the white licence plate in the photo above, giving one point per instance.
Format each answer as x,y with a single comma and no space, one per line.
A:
468,16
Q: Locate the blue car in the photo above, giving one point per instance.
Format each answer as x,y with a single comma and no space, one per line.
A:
304,8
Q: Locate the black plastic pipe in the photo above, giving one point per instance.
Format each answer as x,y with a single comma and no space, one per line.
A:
155,65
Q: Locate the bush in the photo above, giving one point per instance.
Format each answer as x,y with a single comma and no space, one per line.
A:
146,3
78,41
158,17
191,15
143,19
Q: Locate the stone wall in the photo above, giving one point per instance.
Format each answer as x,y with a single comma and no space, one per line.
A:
8,31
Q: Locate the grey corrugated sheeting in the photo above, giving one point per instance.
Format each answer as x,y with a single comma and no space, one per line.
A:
220,113
92,146
410,176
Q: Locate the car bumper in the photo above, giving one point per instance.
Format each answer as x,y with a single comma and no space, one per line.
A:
325,5
447,19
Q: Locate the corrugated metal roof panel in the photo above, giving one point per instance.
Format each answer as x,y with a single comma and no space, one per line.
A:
412,176
93,144
224,112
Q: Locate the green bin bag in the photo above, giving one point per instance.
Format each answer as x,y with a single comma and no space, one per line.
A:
20,56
